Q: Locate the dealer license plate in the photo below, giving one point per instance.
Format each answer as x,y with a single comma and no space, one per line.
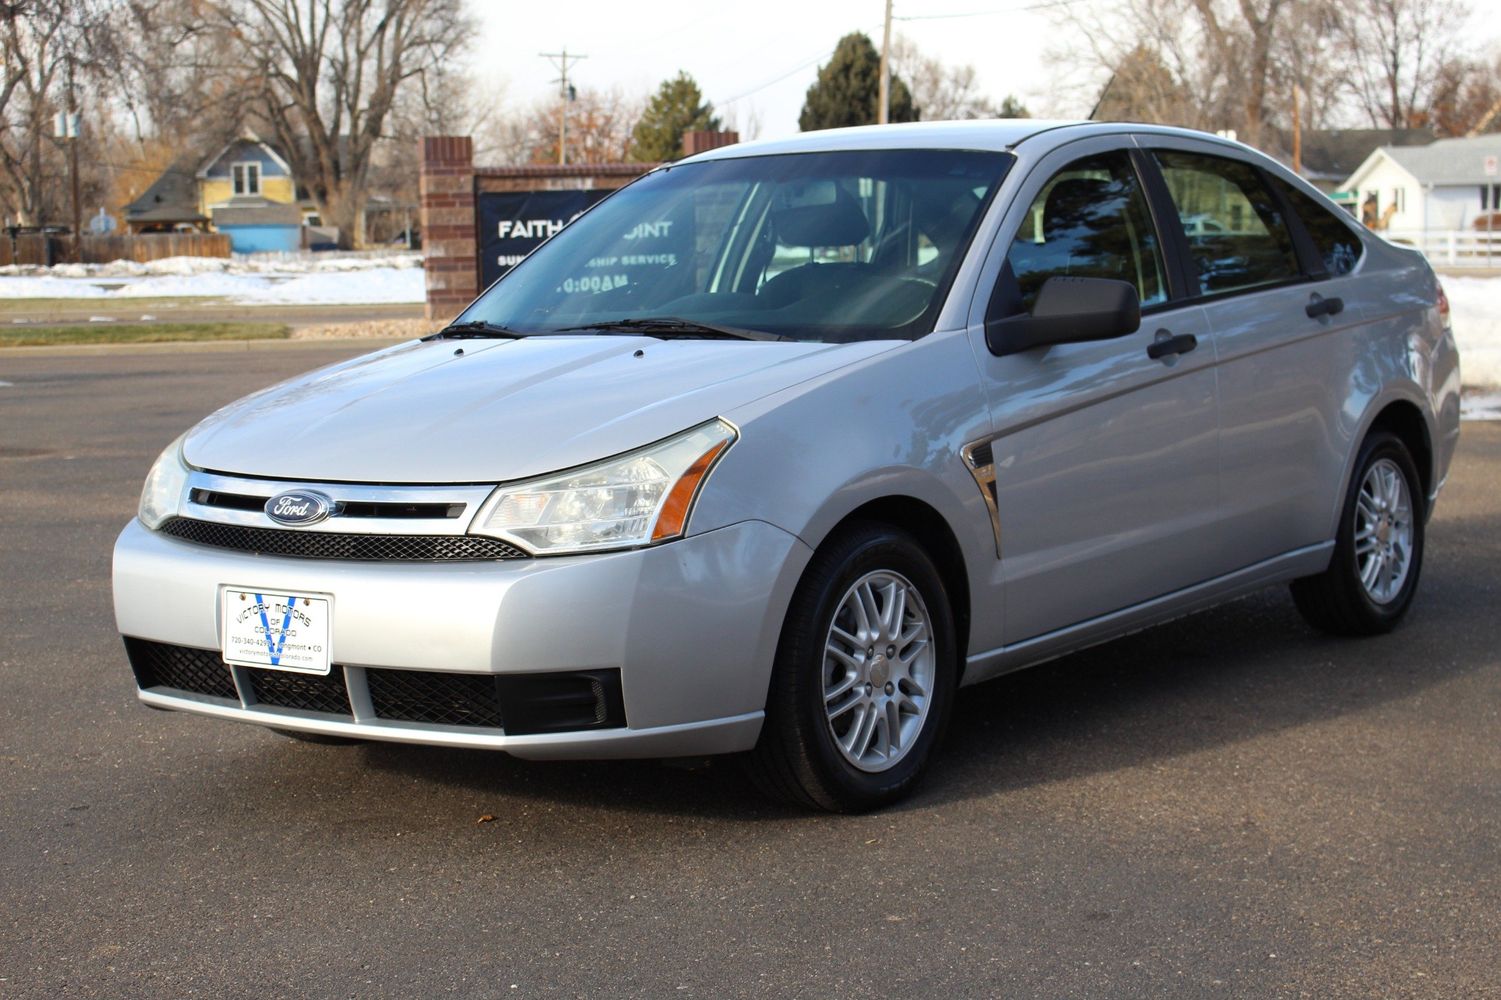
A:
276,631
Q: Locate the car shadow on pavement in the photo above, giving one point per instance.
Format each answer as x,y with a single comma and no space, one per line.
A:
1230,674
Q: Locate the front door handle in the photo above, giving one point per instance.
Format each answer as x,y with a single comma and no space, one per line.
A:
1318,306
1163,347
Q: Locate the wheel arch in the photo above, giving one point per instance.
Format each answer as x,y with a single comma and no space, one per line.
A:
933,533
1403,418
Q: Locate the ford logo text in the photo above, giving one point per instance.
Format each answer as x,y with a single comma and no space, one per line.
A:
299,507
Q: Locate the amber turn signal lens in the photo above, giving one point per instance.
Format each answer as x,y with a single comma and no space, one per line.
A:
674,516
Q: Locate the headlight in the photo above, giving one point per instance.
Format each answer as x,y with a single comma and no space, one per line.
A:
165,483
634,499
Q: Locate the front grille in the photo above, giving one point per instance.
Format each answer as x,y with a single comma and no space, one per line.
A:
338,545
308,692
443,699
198,671
397,509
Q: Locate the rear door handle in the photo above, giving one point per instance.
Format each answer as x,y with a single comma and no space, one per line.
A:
1319,306
1163,347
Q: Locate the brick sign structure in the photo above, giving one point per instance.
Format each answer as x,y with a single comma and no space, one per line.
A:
477,222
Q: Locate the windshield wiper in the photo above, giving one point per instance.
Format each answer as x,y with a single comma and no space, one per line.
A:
664,327
474,329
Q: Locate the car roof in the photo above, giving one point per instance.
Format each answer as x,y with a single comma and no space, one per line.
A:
998,134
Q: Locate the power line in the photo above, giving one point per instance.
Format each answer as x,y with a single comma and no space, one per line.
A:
561,62
823,53
1040,5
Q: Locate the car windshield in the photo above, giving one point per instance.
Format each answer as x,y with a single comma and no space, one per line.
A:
829,247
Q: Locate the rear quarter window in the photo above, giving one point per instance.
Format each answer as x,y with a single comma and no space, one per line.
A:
1339,248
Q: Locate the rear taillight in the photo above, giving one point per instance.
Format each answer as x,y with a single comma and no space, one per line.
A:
1443,306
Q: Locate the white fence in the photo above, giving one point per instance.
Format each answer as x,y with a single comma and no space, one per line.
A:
1452,247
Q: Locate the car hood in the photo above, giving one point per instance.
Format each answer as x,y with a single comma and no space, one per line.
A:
468,411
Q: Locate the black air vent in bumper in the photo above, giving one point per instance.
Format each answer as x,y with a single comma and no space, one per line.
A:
561,703
180,668
305,692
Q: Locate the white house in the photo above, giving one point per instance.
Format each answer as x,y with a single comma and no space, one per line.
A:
1447,184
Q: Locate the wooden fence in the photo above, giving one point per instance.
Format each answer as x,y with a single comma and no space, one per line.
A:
33,248
1452,247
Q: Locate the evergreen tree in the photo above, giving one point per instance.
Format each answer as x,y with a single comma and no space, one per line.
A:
677,107
1012,107
849,86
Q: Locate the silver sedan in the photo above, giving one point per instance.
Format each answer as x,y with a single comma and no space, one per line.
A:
775,449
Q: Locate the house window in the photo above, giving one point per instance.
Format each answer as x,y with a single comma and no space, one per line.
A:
247,177
1399,198
1485,198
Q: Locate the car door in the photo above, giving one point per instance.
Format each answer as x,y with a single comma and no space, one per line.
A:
1104,457
1271,304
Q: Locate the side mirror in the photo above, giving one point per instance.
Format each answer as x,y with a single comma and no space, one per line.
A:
1068,310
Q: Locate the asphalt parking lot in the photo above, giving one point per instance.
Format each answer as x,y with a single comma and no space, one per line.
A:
1231,805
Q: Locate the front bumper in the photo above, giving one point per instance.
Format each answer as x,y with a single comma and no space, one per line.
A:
691,626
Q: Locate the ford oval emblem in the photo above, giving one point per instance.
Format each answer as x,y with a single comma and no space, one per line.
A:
299,507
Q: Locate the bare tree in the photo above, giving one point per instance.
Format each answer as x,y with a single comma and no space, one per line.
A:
327,75
43,45
1467,97
1211,64
942,92
600,123
1396,51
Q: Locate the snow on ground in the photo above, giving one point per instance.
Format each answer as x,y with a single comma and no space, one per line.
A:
253,280
1476,310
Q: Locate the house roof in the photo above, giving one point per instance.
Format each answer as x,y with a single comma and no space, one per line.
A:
172,197
1334,154
1450,161
257,212
251,138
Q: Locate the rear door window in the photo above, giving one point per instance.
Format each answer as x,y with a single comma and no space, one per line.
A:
1237,237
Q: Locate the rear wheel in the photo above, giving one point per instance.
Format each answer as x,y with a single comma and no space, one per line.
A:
1378,552
864,676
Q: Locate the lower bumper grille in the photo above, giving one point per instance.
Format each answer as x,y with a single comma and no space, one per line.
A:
305,692
442,699
516,704
180,668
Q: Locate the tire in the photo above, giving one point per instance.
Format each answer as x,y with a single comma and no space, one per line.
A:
1339,600
321,738
814,756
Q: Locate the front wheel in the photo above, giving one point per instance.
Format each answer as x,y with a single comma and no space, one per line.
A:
1378,551
864,676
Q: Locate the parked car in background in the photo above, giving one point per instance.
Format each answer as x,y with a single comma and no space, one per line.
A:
775,449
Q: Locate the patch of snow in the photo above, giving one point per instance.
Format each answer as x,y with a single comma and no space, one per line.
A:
351,281
101,319
1480,406
375,285
1475,308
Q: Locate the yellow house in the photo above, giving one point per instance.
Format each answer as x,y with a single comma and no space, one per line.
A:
247,190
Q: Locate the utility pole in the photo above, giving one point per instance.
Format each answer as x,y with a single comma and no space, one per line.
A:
883,111
1297,134
72,131
561,61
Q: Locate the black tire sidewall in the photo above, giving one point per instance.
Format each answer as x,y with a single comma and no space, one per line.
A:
800,661
1381,616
